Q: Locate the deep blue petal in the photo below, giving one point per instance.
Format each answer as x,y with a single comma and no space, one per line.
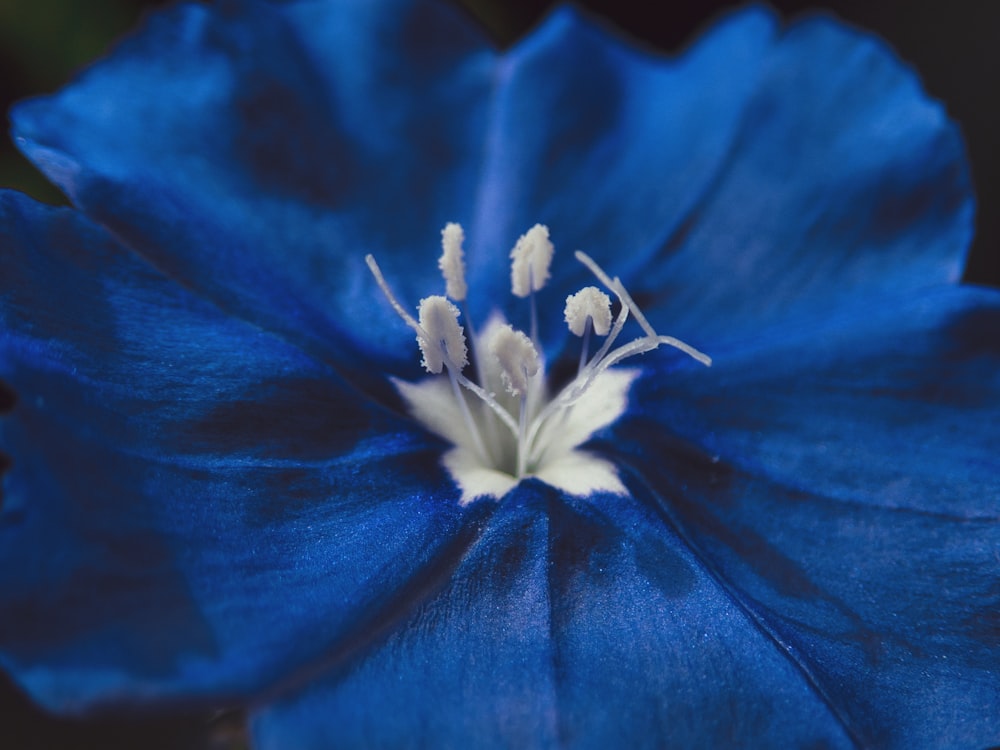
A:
895,404
296,145
193,508
843,181
834,477
291,134
761,175
608,146
845,482
258,151
568,623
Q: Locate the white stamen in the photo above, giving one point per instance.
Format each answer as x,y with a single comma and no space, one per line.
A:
531,258
384,286
452,263
470,423
628,303
616,286
518,359
485,397
500,441
445,341
589,302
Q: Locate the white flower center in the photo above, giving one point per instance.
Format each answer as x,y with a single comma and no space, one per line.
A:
509,425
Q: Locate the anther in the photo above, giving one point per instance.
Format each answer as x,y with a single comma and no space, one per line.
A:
518,359
452,263
445,342
589,302
531,257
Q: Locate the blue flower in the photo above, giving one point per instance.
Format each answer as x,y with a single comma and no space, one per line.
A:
216,495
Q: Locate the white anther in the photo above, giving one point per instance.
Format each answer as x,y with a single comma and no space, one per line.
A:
517,356
589,302
445,341
531,258
452,263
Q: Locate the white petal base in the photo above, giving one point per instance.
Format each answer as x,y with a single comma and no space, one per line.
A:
559,464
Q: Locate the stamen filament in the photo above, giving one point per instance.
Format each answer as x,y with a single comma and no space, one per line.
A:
491,402
534,308
470,423
575,390
522,428
506,418
585,344
474,347
384,286
616,286
641,346
468,325
615,330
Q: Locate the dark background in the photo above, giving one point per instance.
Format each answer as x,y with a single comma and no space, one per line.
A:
955,46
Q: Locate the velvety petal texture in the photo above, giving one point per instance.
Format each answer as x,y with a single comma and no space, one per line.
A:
214,497
845,482
678,170
843,181
570,623
299,137
194,509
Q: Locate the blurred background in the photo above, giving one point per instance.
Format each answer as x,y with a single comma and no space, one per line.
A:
955,47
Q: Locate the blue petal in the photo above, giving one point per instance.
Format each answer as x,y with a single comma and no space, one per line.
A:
761,175
193,508
608,146
843,180
844,480
258,151
285,159
568,623
895,403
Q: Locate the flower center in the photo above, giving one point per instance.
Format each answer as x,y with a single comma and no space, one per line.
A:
504,422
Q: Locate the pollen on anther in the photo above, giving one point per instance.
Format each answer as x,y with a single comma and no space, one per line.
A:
452,261
445,342
531,258
589,302
517,356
